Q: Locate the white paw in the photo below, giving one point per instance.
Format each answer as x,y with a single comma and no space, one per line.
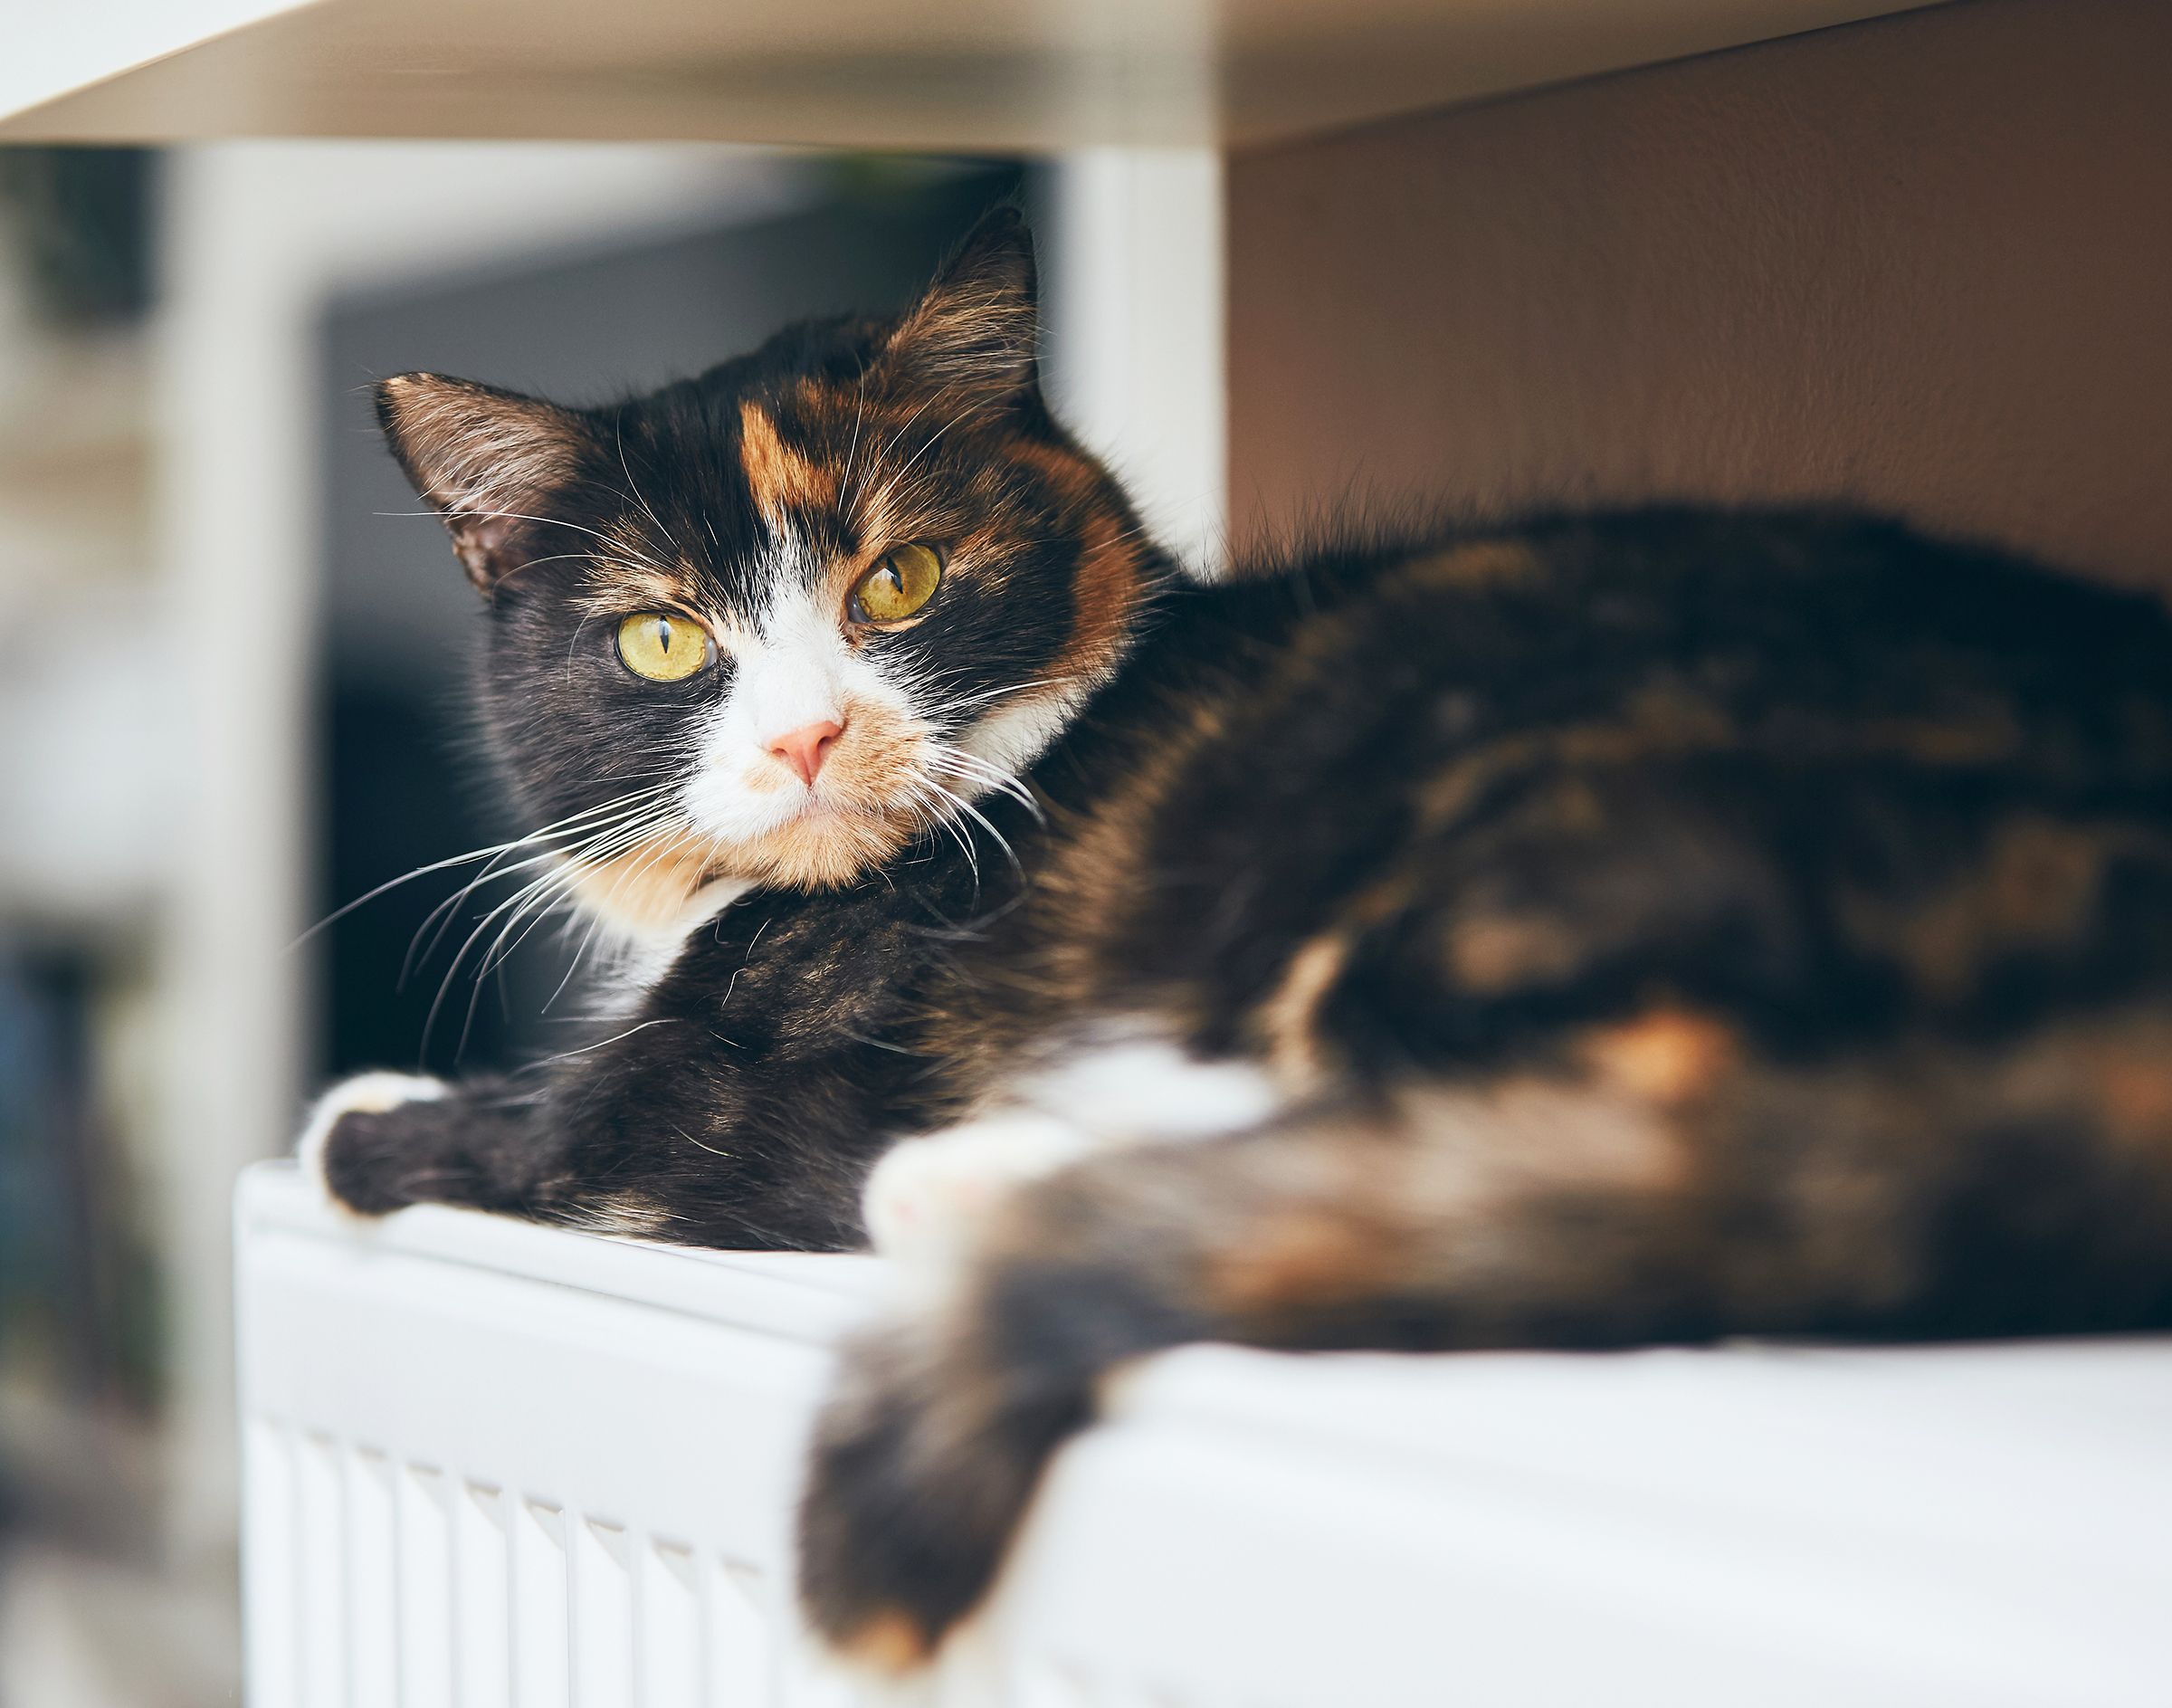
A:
364,1094
925,1196
1139,1089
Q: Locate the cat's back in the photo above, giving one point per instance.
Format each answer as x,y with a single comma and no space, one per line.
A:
1810,604
1815,764
1808,638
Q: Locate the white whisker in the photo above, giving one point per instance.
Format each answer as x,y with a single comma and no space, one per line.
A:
521,516
978,817
496,850
972,767
546,891
620,810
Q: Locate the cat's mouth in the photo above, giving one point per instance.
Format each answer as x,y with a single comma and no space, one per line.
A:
905,783
822,818
824,844
901,817
816,810
826,835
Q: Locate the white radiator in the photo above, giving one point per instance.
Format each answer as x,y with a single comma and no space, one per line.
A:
489,1464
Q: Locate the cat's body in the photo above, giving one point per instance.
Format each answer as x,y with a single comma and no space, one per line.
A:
1651,926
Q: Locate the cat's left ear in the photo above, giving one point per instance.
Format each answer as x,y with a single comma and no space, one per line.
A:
976,333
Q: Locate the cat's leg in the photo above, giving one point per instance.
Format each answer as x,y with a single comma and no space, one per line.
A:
1666,1188
654,1133
943,1421
1102,1090
380,1141
707,1165
739,1106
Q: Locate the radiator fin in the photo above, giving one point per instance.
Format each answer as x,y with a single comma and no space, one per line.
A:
425,1588
670,1628
742,1659
542,1641
320,1530
602,1621
482,1596
371,1581
270,1560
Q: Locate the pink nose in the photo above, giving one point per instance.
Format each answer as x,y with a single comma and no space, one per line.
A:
805,748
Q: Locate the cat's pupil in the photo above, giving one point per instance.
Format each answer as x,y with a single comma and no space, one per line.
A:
895,581
663,634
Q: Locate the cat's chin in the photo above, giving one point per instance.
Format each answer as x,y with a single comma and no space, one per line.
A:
825,846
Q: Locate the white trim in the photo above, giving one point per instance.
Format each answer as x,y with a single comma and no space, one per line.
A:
1135,332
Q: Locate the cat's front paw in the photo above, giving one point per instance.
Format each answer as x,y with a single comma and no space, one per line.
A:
352,1133
925,1197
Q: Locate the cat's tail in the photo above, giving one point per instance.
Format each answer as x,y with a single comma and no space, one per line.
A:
1665,1185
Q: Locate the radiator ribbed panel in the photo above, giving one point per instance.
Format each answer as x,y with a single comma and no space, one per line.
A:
376,1582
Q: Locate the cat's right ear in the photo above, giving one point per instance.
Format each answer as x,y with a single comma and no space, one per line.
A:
489,462
973,335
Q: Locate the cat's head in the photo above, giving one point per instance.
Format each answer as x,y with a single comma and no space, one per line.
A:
775,623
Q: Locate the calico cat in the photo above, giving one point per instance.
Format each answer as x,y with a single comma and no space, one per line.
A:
1617,927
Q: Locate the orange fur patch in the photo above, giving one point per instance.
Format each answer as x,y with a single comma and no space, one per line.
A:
1108,586
888,1643
1308,1258
780,478
1485,562
649,885
627,590
1500,952
820,854
1288,1020
2135,1093
1667,1057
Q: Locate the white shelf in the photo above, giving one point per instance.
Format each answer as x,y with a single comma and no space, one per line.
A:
942,74
475,1444
52,51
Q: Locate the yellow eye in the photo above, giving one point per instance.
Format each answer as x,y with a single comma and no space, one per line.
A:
904,581
664,647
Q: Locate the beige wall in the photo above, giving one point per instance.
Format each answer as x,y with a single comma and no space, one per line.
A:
1924,263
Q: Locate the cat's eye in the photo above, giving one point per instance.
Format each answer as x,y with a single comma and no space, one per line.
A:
898,586
664,647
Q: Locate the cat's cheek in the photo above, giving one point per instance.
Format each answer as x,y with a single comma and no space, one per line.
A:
372,1093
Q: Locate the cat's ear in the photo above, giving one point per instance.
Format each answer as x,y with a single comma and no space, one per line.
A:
489,462
975,333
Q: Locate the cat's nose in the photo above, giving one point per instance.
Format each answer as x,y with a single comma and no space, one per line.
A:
805,748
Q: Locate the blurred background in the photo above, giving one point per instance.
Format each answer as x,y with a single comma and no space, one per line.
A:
232,663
